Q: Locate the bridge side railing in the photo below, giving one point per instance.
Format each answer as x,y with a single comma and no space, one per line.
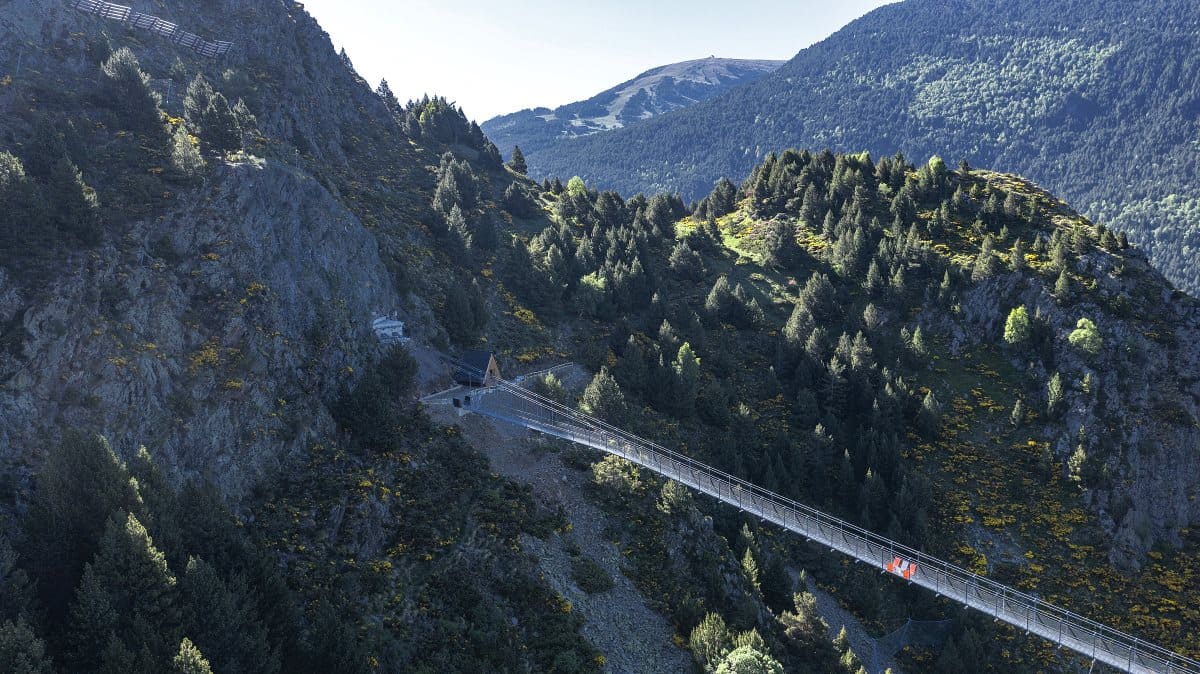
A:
153,24
1025,611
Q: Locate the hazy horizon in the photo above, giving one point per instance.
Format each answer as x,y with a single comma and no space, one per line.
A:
493,60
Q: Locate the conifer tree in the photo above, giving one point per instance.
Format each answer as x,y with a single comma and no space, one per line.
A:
518,164
1017,326
384,92
75,207
22,226
131,575
750,567
21,651
80,484
128,90
603,398
723,199
222,622
1016,260
185,155
219,129
93,622
985,264
247,123
16,593
1062,287
189,660
1018,414
710,642
687,374
918,342
1055,395
720,299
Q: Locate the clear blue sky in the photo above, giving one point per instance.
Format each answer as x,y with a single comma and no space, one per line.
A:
497,57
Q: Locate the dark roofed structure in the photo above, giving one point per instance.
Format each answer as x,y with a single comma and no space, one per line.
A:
477,368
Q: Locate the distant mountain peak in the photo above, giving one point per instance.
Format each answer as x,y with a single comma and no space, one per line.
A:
649,94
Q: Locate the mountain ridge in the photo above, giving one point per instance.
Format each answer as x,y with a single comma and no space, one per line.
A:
1112,128
651,93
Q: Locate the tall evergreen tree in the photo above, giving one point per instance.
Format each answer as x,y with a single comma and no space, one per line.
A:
132,574
710,642
21,651
219,617
518,164
127,89
81,483
603,398
75,207
189,660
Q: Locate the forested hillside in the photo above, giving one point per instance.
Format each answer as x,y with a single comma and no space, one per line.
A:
648,95
211,464
1096,100
955,358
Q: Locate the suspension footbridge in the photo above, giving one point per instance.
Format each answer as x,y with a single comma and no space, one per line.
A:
512,403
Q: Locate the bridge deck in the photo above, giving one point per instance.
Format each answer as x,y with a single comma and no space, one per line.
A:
513,404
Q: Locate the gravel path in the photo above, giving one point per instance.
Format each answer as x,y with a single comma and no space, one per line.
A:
633,638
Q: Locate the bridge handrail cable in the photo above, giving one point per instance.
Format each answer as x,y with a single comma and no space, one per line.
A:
588,426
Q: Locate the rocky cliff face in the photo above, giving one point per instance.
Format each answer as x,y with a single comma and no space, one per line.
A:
217,330
1138,416
216,335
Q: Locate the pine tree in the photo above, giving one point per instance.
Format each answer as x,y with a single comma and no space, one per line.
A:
456,224
384,92
720,300
930,415
874,283
1016,260
1055,395
23,226
1017,326
133,575
1076,464
16,593
247,123
128,90
80,484
196,99
675,499
779,245
1062,287
918,343
750,567
219,129
687,375
190,660
223,622
710,642
985,263
603,398
185,154
336,644
1018,414
518,164
21,651
723,199
76,210
93,622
